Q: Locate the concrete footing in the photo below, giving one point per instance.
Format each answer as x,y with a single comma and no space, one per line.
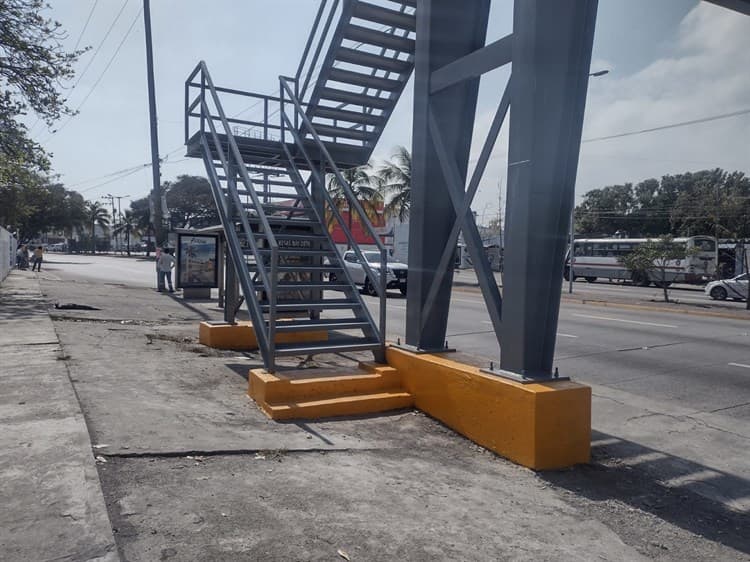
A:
241,336
541,426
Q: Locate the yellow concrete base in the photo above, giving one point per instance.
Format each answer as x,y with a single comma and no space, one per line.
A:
541,426
307,395
241,336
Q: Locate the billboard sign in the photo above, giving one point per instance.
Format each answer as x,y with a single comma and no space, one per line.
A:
197,257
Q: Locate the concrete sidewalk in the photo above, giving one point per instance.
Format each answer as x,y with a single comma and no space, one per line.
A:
52,502
193,471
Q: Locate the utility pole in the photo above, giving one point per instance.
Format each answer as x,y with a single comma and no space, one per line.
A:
114,217
156,215
119,213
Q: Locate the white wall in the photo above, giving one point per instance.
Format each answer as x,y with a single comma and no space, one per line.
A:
7,252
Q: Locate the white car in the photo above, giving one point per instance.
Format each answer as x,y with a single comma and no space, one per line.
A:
734,288
396,272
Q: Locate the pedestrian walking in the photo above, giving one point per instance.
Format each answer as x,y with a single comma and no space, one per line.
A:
38,256
22,257
165,264
157,255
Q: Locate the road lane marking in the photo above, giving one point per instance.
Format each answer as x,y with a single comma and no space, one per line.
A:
625,321
740,365
558,333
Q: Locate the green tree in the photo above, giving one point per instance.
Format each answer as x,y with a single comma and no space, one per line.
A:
605,211
129,225
38,205
364,185
395,178
96,215
33,65
190,202
653,258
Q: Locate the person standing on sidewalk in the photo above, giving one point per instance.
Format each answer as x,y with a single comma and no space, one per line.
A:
165,265
38,256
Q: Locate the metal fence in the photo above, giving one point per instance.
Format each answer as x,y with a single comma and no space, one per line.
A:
8,246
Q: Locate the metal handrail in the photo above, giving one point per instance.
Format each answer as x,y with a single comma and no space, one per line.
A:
353,202
321,42
233,165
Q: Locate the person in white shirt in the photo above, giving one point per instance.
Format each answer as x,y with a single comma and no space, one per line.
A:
164,266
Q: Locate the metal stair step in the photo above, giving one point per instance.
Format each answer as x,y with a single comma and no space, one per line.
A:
385,16
363,58
272,194
299,268
285,221
303,252
353,98
285,236
301,286
329,131
351,116
276,207
364,80
328,346
329,324
326,304
379,38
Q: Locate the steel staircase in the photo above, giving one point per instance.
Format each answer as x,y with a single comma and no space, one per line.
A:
268,175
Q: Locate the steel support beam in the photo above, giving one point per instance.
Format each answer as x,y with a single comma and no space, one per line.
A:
551,60
473,65
433,213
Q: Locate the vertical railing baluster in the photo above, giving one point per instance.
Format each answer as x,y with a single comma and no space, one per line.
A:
272,299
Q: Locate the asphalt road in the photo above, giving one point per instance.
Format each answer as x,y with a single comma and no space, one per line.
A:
698,362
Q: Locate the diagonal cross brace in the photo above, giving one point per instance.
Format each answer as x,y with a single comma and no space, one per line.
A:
455,185
461,213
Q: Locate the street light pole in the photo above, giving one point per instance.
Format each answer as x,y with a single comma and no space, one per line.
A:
571,252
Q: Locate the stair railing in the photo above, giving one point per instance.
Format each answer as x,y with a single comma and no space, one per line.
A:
378,281
233,166
322,39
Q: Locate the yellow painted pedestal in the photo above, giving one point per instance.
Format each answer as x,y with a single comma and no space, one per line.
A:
540,425
241,336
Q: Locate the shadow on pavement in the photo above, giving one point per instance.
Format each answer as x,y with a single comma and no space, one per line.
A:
669,487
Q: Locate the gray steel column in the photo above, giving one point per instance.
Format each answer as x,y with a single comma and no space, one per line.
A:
551,60
231,293
446,30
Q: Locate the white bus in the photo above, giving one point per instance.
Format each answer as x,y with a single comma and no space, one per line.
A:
598,257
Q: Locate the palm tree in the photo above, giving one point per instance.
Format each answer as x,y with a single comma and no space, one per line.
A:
395,178
364,185
129,225
96,214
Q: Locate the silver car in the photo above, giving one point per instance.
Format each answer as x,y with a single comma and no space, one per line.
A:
734,288
396,273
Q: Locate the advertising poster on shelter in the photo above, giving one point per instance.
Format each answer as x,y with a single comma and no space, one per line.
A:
196,261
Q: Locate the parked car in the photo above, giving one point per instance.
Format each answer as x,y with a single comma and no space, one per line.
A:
396,272
734,288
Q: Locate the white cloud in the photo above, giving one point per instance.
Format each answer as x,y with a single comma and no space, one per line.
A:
704,74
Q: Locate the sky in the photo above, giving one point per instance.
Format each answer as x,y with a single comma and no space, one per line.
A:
669,62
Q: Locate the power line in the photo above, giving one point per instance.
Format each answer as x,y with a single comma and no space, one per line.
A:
85,25
671,126
98,80
137,167
101,43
